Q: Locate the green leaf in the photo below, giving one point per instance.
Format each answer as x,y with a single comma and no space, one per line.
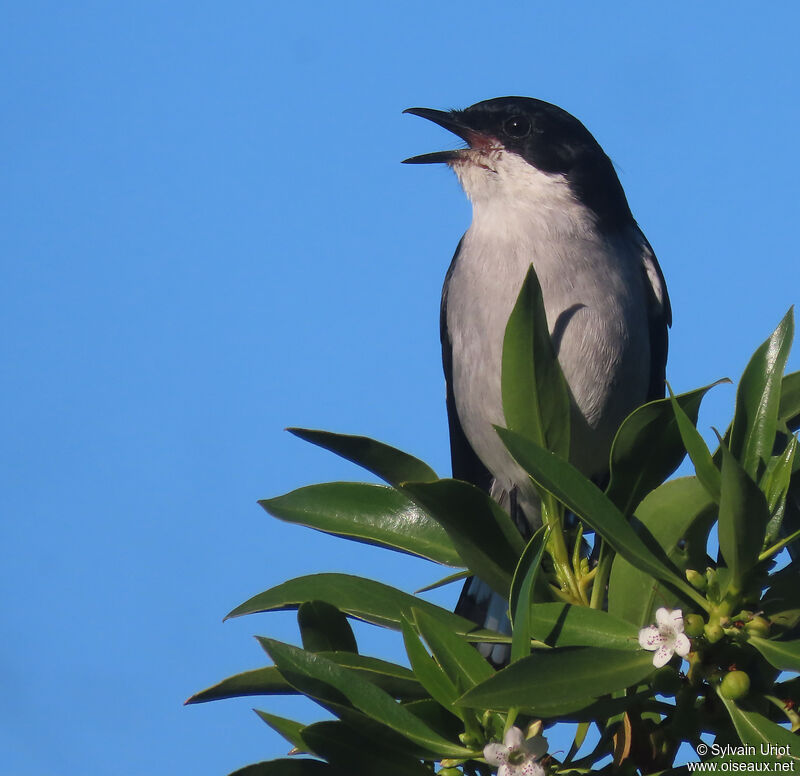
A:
449,579
390,464
754,729
789,408
707,471
775,485
482,533
781,603
586,501
676,517
461,662
261,681
323,628
288,766
396,680
758,399
536,400
784,655
521,595
288,728
574,709
565,625
310,672
430,675
570,674
373,514
743,518
357,596
648,448
342,746
435,716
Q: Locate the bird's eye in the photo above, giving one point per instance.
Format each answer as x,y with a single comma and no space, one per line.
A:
517,126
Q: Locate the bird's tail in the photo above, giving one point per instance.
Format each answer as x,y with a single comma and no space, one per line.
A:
487,609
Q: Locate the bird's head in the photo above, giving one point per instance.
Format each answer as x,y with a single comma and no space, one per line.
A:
518,146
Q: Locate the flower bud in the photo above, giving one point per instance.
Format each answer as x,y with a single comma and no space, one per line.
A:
735,685
758,626
713,632
697,580
693,625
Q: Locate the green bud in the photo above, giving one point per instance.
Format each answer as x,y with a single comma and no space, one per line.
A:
693,625
450,772
697,580
735,685
713,632
758,626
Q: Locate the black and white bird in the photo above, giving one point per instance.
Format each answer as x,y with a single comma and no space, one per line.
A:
543,192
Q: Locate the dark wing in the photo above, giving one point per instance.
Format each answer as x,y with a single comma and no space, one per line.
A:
465,463
659,318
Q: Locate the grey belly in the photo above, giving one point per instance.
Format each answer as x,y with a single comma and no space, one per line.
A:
598,311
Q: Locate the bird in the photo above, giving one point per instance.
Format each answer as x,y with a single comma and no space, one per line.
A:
543,193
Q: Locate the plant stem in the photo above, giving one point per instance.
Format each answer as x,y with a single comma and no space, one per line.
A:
770,551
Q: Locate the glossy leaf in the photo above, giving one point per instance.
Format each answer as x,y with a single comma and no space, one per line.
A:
261,681
775,484
789,408
288,728
565,625
521,595
754,729
707,472
482,533
784,655
430,675
758,399
461,662
397,680
357,596
435,716
677,517
567,675
743,518
648,448
390,464
373,514
536,400
346,748
585,500
289,766
308,671
394,679
323,628
448,580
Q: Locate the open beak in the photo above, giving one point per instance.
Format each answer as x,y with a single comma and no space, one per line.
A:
450,120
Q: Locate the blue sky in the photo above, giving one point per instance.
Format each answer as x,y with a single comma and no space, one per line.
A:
207,236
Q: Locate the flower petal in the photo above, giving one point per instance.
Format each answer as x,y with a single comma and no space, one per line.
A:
531,768
495,754
505,770
682,645
650,638
662,656
513,738
676,616
663,617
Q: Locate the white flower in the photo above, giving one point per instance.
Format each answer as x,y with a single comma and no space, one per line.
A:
516,756
667,638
